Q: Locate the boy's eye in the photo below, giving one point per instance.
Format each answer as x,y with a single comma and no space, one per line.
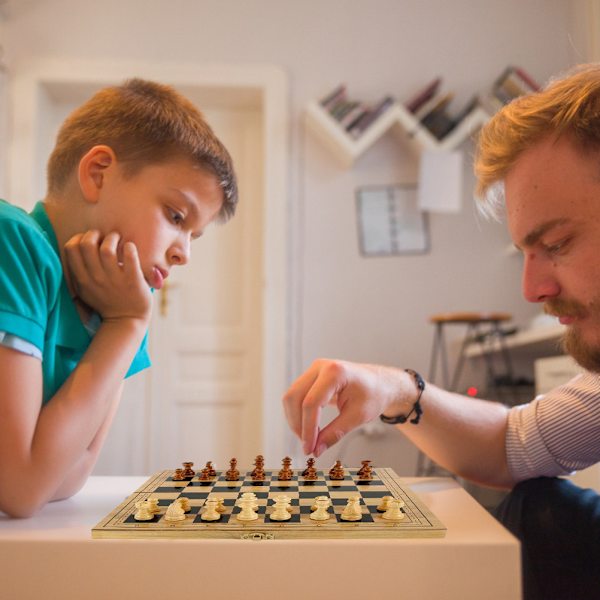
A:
175,216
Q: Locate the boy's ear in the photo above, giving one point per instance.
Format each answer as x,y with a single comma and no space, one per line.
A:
93,168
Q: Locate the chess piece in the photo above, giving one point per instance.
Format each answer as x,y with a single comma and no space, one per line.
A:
310,473
352,510
184,502
248,513
286,473
336,472
281,510
211,469
144,511
153,502
385,504
175,512
393,513
210,512
188,472
314,506
178,475
258,474
321,513
232,474
220,504
365,473
249,496
204,475
259,463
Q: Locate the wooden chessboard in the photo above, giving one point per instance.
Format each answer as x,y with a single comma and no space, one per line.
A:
419,521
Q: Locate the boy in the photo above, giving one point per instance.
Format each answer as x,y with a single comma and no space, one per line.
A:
135,176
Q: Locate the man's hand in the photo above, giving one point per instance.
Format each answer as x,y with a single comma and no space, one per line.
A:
361,393
114,287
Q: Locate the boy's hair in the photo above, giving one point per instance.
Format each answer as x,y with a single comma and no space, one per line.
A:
144,123
566,106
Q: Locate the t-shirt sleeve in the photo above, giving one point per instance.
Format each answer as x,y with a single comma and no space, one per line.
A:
28,282
557,433
141,360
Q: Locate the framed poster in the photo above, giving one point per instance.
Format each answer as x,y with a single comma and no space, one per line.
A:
390,222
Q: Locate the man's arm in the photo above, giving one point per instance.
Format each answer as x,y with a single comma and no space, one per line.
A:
462,434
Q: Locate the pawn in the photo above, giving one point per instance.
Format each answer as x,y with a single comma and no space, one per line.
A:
365,473
220,504
248,496
321,513
281,511
204,474
393,513
144,511
259,463
232,474
286,473
385,504
337,471
248,513
352,510
314,506
178,475
211,469
175,512
310,473
211,510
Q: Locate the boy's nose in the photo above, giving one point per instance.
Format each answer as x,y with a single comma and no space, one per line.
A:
179,254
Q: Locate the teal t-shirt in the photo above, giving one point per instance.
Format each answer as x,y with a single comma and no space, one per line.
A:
35,304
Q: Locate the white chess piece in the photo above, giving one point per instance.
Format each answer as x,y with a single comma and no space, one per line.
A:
385,504
144,511
210,512
393,513
249,496
352,510
314,506
175,512
154,508
248,513
321,513
184,502
281,510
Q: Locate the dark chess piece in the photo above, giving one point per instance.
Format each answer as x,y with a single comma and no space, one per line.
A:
232,474
365,473
310,473
178,475
211,469
286,473
187,469
336,472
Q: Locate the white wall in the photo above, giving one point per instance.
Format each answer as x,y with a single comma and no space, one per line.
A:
341,304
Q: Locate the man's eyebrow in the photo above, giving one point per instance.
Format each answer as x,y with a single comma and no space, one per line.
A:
534,235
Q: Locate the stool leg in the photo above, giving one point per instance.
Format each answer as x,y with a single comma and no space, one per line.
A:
461,357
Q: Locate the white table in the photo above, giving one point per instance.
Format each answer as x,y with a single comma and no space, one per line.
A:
52,556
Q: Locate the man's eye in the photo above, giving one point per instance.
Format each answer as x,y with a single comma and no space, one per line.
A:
557,247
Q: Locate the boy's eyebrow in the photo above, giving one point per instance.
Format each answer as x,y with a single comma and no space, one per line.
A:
192,206
534,235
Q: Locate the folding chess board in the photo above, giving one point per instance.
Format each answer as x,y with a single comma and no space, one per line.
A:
418,520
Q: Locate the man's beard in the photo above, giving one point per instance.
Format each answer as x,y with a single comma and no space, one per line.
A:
585,353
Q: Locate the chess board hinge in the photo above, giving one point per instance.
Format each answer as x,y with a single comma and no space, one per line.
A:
257,536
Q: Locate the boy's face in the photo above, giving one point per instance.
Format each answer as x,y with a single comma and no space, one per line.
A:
161,209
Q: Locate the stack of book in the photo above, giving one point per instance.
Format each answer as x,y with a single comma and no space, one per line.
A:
354,116
512,83
430,107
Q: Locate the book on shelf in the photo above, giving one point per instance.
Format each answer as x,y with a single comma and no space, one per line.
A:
423,96
332,98
512,83
369,117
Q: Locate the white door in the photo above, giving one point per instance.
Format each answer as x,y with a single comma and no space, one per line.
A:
206,339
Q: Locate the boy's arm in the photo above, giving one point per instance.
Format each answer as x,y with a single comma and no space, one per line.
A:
41,445
81,471
462,434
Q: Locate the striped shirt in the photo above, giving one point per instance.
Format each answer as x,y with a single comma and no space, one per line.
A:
557,433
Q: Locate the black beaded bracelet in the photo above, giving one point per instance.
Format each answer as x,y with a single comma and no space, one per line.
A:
416,406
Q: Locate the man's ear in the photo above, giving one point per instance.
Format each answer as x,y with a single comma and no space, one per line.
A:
93,168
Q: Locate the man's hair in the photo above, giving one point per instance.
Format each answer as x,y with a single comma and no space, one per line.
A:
569,105
144,123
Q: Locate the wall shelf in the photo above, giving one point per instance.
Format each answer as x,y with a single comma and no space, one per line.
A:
397,118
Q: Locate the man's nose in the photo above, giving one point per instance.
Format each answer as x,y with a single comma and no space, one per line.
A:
539,281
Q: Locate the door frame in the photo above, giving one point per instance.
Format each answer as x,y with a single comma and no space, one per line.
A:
263,85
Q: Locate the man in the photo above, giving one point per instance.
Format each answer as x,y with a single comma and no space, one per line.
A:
539,159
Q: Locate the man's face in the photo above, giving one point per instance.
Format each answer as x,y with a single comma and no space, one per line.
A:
161,208
553,208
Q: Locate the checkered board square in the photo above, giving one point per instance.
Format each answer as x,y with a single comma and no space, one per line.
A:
418,520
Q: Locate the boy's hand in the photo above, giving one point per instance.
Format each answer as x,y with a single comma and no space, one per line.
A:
111,285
